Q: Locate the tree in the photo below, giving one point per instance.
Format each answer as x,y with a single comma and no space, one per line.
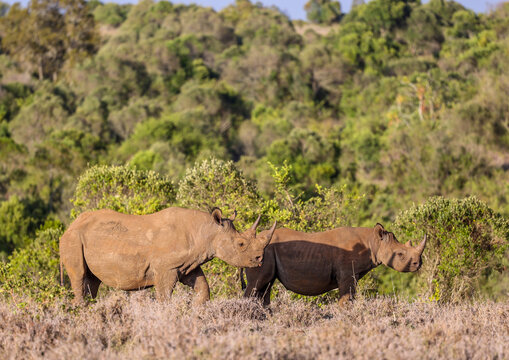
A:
34,36
81,39
357,3
48,33
323,11
4,8
111,14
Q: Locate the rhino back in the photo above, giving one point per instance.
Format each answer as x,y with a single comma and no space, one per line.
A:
343,237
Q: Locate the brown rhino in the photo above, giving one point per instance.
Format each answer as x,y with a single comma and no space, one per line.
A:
132,252
314,263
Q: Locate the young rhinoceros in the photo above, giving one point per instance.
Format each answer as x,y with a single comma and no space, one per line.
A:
132,252
314,263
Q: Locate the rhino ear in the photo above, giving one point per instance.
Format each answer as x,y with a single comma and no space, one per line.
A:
379,231
217,214
234,216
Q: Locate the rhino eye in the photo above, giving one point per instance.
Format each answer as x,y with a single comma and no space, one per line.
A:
241,244
401,255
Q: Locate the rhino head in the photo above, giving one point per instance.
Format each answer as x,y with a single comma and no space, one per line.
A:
400,257
239,249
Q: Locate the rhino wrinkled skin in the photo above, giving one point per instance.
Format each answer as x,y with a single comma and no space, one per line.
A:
314,263
132,252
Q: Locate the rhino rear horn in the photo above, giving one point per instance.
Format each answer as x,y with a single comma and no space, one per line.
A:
272,229
266,239
422,245
255,225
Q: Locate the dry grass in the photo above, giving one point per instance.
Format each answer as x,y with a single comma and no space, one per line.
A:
135,326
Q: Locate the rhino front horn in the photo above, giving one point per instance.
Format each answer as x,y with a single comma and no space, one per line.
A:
422,245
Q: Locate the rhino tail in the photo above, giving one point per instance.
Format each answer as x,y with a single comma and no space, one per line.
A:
242,282
61,274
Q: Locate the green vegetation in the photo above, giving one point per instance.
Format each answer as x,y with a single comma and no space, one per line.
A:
466,242
122,189
323,11
351,120
32,272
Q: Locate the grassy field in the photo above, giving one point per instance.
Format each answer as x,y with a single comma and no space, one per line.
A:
134,326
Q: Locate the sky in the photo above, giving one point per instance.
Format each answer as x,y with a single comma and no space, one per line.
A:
295,8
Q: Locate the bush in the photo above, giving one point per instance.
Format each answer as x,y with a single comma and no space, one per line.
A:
19,220
33,272
465,238
122,189
217,183
327,209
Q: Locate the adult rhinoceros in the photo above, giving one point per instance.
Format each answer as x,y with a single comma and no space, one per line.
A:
132,252
314,263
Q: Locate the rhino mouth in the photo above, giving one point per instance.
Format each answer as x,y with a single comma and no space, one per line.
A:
256,262
413,268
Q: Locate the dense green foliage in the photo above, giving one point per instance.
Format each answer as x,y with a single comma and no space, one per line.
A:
216,183
122,189
48,34
467,246
466,238
348,121
33,271
323,11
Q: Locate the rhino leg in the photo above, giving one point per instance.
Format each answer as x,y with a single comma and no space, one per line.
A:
266,293
164,283
346,290
71,255
197,280
260,280
260,292
91,285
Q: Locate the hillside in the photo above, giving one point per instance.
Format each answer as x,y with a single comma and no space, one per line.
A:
400,106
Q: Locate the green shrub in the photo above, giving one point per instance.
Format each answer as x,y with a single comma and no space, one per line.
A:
217,183
465,238
122,189
32,272
326,209
19,220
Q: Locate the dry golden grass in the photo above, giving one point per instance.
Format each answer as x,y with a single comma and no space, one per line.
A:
134,326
